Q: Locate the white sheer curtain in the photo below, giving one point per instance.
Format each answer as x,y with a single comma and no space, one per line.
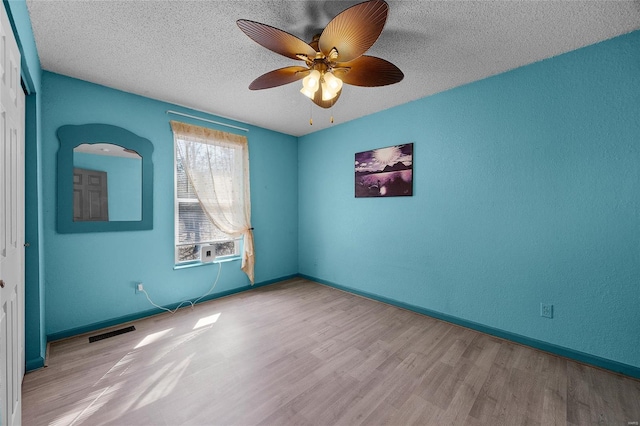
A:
217,166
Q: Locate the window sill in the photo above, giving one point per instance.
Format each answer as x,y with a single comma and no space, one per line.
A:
198,263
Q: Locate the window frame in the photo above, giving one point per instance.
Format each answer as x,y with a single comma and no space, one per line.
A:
176,223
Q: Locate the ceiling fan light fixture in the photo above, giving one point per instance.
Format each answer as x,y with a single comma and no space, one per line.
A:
308,93
310,84
331,85
327,94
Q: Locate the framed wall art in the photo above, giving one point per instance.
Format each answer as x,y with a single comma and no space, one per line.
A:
385,172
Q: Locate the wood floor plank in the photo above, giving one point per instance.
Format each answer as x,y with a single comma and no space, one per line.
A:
464,398
416,411
301,353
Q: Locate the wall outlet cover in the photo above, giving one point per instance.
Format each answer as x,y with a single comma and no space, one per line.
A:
546,310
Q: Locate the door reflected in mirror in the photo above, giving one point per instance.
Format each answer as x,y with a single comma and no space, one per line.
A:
107,183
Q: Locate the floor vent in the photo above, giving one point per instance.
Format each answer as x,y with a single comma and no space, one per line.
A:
111,334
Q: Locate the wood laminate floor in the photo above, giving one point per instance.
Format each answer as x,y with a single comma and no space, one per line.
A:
302,353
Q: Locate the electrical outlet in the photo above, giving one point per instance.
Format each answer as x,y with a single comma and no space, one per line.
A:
546,310
139,288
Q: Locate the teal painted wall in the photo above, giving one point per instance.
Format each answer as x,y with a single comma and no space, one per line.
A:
90,277
124,183
526,190
35,337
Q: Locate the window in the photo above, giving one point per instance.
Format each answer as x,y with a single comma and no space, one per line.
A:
212,204
193,227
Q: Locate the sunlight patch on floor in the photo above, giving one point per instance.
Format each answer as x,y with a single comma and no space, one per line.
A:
176,343
162,383
119,368
87,407
203,322
152,338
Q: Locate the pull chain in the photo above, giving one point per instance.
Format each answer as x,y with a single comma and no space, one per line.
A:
311,116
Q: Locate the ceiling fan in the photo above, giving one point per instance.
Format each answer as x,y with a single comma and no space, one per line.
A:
332,58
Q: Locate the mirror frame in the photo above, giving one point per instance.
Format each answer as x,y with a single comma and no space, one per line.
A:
71,136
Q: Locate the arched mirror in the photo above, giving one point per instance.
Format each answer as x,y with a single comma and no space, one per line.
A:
105,179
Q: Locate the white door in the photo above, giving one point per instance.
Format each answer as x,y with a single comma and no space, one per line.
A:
11,227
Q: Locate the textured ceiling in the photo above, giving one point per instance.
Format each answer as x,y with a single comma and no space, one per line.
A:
192,53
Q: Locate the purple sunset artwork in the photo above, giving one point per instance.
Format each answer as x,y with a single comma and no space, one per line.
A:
385,172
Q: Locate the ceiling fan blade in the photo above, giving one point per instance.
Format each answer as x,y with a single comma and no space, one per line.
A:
354,30
276,40
317,99
279,77
369,71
